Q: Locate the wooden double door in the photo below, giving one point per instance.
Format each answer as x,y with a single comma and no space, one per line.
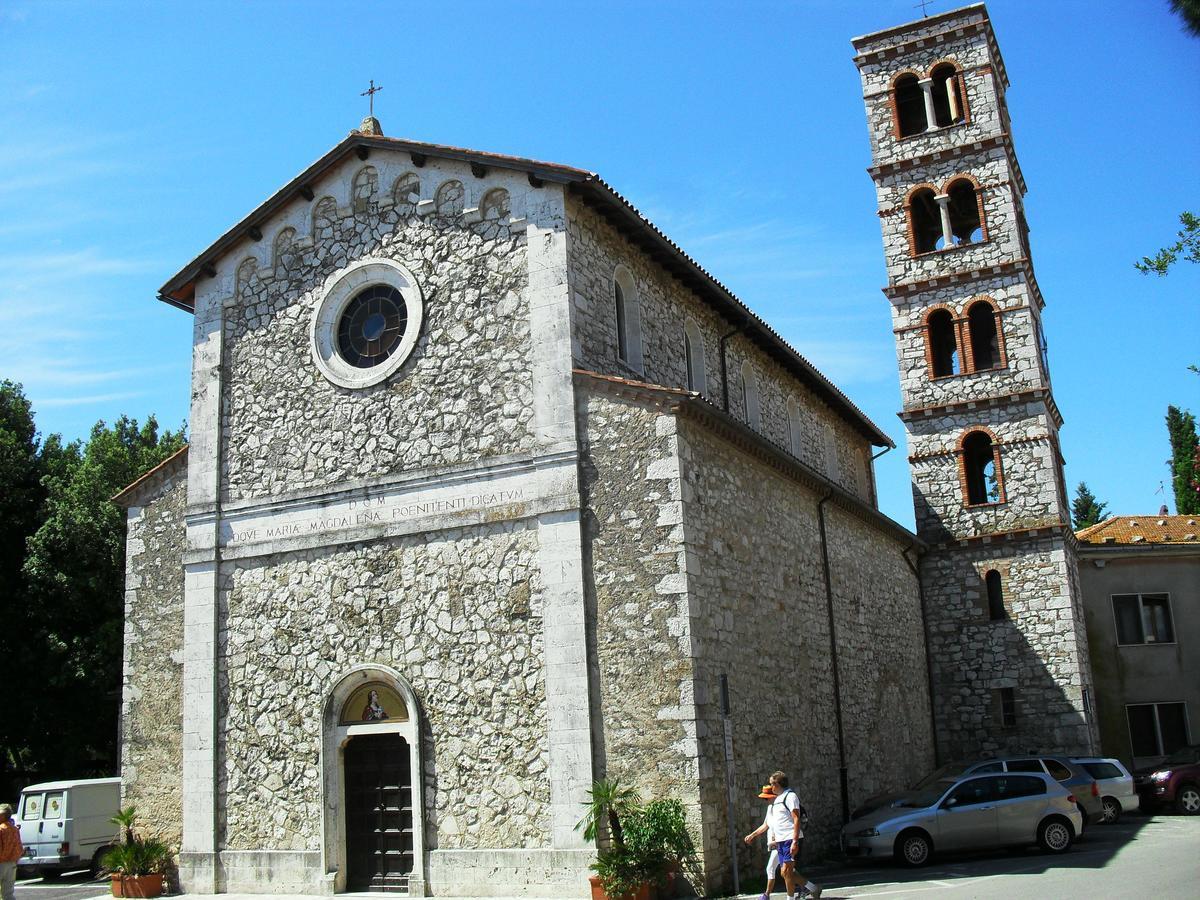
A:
379,813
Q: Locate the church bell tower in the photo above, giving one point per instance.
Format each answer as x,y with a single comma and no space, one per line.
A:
1006,628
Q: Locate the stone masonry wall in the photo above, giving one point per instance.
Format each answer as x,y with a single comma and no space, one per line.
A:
760,616
152,689
595,249
458,613
1019,323
1002,211
1036,649
634,543
464,394
1031,492
982,89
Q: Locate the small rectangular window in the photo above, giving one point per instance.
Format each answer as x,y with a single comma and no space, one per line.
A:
1157,729
1006,711
1143,619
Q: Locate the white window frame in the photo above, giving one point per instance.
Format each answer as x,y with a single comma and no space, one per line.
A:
1112,602
1187,724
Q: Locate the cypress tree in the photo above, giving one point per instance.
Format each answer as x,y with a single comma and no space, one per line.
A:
1185,452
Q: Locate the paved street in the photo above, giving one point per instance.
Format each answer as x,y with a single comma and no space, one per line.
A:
1151,858
1148,857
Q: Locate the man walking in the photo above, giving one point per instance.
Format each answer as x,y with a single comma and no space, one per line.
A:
10,852
784,816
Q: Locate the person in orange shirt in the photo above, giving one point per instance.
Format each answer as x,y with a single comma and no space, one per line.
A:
10,851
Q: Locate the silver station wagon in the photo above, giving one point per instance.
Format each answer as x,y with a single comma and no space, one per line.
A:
966,813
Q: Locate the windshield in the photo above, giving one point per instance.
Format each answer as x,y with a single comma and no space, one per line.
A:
1182,757
954,768
926,797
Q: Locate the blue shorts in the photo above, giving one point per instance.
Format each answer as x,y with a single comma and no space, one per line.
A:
785,851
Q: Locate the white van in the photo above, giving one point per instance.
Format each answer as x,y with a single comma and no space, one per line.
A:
65,824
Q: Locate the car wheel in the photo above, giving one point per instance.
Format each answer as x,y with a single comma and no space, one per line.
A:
1055,835
95,868
914,848
1187,799
1112,810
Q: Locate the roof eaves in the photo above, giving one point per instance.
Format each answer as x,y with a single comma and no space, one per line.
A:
128,494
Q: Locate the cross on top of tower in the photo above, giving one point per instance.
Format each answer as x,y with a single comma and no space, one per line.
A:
370,93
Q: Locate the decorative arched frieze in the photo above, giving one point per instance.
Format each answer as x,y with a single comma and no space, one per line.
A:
365,187
283,251
495,205
246,270
324,218
450,199
406,192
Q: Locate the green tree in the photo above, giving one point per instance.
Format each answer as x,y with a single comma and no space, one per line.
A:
1086,510
75,571
1185,460
1189,11
1188,246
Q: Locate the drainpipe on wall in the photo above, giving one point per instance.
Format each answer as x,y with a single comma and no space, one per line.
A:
843,780
937,754
725,365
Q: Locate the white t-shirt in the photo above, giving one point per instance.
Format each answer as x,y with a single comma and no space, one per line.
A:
780,824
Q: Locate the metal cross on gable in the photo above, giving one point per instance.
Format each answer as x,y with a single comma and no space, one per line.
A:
370,93
924,4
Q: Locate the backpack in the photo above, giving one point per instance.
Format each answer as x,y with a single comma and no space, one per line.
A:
799,808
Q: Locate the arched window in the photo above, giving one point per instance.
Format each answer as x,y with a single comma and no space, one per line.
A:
910,105
406,192
795,430
985,338
943,343
924,221
948,106
449,199
366,184
324,218
966,221
629,329
995,595
495,205
750,396
283,253
981,469
693,349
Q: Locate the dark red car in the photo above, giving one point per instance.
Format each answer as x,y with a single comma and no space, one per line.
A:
1173,782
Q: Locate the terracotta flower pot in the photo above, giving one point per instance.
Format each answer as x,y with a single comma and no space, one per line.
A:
137,885
643,892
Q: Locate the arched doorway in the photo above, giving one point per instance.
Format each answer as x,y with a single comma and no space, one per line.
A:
371,773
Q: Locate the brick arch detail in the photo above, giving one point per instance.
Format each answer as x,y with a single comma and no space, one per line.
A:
969,349
975,183
956,323
908,222
960,459
891,94
960,75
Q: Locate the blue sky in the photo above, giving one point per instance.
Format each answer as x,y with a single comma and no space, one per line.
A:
133,134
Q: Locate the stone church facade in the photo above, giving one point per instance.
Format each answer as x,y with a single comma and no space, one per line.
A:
493,491
1006,626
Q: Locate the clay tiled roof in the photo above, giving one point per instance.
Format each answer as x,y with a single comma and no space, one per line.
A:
1134,530
149,481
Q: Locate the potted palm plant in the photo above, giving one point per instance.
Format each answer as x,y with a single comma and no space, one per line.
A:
137,864
647,847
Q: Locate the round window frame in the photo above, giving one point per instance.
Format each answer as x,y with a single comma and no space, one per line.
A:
344,287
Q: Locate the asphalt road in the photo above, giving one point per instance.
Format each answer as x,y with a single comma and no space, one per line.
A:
1152,858
70,886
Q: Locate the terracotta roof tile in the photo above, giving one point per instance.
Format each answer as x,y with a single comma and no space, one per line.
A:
1143,530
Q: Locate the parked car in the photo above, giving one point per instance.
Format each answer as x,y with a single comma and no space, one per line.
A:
1070,775
968,812
65,824
1117,794
1174,782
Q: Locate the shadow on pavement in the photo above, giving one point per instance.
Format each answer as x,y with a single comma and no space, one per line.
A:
1097,847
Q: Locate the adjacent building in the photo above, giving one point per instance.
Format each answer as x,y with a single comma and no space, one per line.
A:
1140,577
